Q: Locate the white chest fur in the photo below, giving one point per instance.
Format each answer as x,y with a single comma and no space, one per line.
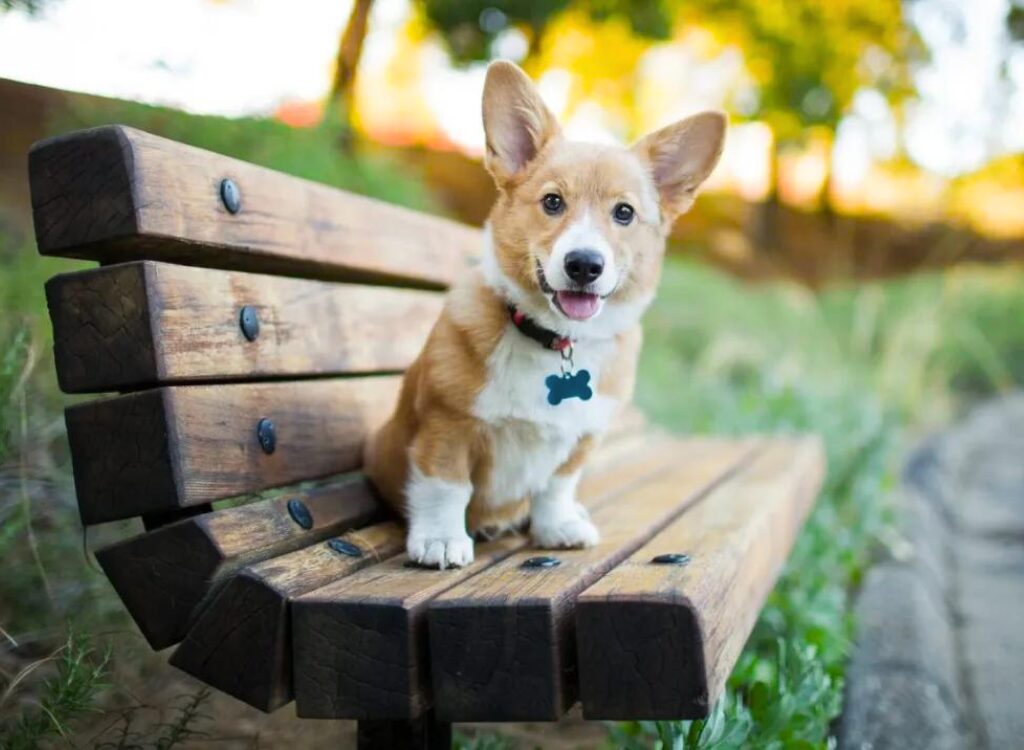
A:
530,437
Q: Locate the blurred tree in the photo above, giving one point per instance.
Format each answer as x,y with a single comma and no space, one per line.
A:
807,59
346,65
1015,20
470,27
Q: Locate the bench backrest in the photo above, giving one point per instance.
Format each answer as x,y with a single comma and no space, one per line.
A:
269,371
134,199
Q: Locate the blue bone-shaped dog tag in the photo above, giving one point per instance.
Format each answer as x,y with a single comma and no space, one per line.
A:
561,387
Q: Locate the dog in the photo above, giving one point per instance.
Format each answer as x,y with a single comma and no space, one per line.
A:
536,350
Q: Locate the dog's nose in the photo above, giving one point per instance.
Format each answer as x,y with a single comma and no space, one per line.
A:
584,266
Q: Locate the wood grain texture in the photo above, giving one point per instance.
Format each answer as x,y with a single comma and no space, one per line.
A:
179,446
142,324
114,194
361,642
502,644
659,641
241,641
163,575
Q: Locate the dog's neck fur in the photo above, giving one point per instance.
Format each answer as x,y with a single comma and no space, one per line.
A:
615,318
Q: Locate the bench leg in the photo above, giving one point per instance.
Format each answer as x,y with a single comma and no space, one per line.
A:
424,733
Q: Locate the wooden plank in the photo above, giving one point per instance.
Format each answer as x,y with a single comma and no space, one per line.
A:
115,194
163,575
241,641
179,446
361,642
519,620
142,324
659,641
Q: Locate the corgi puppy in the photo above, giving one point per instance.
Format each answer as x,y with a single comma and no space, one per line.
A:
536,350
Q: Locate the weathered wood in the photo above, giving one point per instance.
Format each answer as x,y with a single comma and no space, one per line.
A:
241,641
114,194
163,575
142,324
658,641
502,643
361,642
178,446
425,733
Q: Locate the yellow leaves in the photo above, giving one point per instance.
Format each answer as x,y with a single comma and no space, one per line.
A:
602,57
992,200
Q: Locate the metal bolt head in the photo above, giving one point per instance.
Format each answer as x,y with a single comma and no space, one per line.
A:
543,561
344,548
249,321
230,195
267,435
300,513
672,558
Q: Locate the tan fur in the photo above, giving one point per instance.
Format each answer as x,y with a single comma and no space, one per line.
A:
434,423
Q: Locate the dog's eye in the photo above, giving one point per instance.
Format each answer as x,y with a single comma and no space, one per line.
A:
553,204
623,213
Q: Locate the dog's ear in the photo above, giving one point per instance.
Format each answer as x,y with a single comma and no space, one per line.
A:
516,122
681,156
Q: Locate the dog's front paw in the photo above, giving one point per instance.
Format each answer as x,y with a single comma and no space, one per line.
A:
574,529
454,551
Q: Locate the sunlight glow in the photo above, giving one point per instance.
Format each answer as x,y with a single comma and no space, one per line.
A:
275,58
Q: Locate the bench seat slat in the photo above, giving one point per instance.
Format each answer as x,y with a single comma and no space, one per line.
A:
501,643
115,194
659,641
240,642
163,575
142,324
361,642
180,446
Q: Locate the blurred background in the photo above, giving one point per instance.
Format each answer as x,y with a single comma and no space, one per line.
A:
853,268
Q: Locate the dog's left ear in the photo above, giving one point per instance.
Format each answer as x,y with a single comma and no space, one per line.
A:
516,122
681,156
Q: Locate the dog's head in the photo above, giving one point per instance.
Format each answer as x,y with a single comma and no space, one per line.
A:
578,231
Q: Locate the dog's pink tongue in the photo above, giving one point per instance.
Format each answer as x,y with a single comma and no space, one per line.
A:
578,305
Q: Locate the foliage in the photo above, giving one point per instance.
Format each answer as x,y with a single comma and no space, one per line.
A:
470,27
81,675
809,57
12,361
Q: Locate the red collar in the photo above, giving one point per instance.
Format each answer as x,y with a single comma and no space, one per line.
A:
543,336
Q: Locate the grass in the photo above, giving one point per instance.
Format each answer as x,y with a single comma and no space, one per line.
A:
865,366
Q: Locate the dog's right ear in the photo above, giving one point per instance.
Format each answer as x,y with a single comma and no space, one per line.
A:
517,125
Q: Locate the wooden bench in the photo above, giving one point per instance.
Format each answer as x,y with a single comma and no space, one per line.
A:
255,326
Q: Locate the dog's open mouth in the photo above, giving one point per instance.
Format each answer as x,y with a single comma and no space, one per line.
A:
575,305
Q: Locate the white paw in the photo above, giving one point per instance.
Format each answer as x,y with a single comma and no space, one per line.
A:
574,529
453,551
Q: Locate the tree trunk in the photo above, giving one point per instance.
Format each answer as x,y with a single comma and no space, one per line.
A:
350,49
766,217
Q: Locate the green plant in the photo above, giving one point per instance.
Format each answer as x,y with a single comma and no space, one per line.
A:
81,674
